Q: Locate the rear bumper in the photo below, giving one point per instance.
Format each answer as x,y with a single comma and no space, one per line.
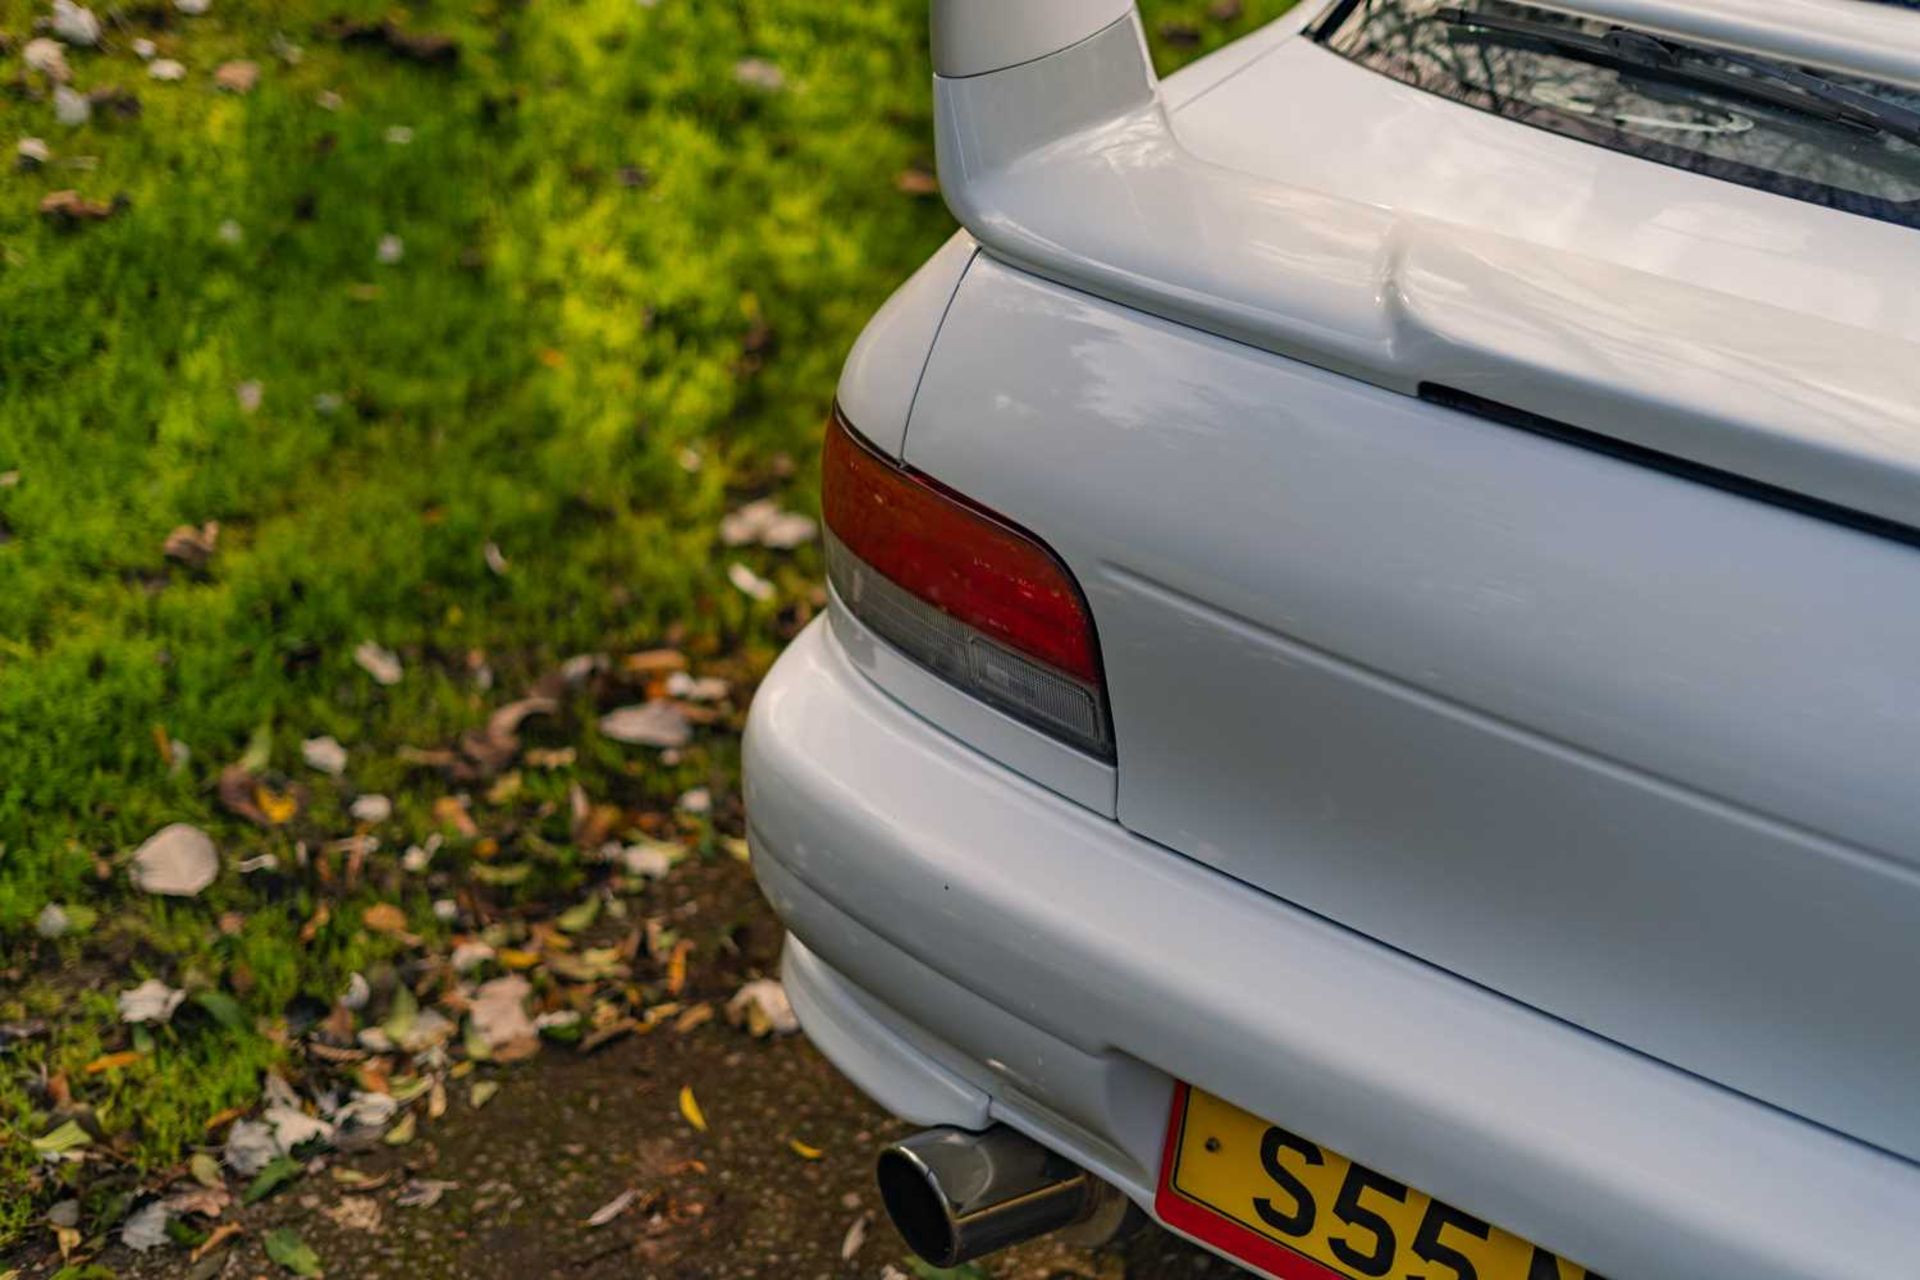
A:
969,947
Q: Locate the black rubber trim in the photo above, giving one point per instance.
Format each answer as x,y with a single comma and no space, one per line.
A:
1333,19
1726,481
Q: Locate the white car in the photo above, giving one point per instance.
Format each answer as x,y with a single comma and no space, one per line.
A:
1370,708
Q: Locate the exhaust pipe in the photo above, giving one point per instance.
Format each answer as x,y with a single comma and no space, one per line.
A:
955,1196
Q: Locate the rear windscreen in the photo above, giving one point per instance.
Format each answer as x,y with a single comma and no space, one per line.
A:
1834,140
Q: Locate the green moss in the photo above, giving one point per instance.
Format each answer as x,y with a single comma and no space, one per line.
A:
614,252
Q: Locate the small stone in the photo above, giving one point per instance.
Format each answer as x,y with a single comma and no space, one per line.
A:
31,153
391,249
230,232
144,49
249,394
166,69
193,8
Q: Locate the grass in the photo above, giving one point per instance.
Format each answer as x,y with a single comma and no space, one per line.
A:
628,275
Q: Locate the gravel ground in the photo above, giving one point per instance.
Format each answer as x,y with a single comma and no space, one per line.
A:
568,1133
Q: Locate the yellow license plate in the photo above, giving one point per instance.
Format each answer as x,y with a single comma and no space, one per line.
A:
1298,1211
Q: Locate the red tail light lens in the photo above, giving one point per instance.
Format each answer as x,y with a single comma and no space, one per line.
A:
970,596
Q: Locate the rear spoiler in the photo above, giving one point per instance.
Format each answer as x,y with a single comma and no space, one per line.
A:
1058,154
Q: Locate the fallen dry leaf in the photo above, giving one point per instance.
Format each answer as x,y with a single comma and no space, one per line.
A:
48,58
75,24
276,808
916,182
70,207
146,1228
749,583
677,967
384,917
856,1237
112,1061
763,523
356,1213
371,809
690,1109
499,1017
237,76
451,811
402,1133
382,664
761,1006
219,1236
658,723
177,861
613,1208
237,788
151,1001
654,662
190,546
422,1193
325,754
804,1151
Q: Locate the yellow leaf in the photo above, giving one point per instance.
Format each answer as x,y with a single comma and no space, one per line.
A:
698,1016
690,1108
677,968
278,806
402,1133
804,1151
513,959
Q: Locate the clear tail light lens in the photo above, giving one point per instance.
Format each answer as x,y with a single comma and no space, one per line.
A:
970,596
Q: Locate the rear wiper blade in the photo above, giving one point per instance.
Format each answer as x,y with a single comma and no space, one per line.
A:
1638,52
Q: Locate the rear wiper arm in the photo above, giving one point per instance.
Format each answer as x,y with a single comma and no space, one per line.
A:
1633,51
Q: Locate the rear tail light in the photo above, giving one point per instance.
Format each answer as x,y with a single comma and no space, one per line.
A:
973,598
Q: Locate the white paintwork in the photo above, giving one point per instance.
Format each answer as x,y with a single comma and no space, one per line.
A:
1539,829
882,374
1069,971
1866,37
1071,168
1598,738
974,37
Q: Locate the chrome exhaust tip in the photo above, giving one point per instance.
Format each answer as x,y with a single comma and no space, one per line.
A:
955,1196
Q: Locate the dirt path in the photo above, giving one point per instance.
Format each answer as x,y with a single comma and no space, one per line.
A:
568,1133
